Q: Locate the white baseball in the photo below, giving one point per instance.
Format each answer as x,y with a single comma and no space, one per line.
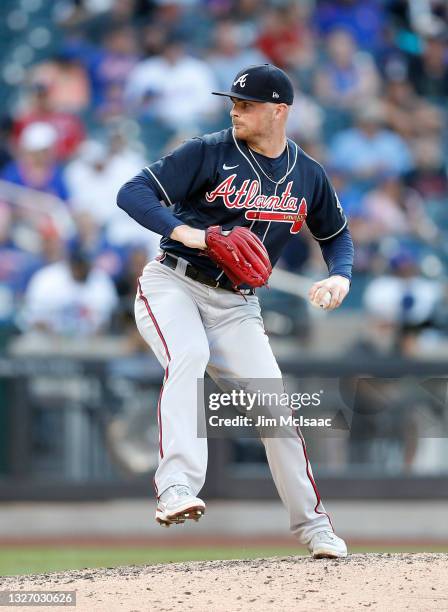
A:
323,302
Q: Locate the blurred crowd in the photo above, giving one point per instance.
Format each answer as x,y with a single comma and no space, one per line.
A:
121,82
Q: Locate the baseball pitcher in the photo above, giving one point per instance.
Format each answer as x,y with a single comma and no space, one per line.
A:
225,205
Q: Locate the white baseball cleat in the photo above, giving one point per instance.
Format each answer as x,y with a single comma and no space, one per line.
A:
177,504
327,545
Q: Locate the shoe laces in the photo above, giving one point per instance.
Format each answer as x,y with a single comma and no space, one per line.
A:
325,536
181,490
174,492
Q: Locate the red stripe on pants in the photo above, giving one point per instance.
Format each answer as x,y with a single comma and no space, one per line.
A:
168,356
308,472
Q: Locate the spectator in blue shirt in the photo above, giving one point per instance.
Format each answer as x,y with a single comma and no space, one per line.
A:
368,151
365,19
35,166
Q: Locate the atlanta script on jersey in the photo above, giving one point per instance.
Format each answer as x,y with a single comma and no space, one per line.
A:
217,180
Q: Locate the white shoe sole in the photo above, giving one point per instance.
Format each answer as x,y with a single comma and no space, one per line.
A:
189,510
323,553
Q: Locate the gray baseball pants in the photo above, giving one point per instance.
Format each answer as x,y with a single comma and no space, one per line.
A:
192,328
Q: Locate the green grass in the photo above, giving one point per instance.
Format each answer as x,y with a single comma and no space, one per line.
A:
39,559
42,559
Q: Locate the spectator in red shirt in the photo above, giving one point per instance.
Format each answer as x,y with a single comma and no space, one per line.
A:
286,39
69,128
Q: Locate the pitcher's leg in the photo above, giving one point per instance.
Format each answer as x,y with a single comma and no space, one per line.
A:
241,349
168,320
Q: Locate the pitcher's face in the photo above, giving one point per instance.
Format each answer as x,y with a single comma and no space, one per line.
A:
255,120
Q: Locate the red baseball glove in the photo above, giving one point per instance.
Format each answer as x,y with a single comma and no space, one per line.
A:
240,253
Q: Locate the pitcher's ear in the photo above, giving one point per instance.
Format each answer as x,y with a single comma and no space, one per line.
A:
280,110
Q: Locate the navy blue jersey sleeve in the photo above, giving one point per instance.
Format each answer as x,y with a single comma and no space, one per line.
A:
175,178
138,198
181,174
338,253
326,217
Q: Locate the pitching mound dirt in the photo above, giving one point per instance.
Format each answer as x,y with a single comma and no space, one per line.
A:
386,582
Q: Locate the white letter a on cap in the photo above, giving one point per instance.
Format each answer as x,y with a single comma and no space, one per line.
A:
241,80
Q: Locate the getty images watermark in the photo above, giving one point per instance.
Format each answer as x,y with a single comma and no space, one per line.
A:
358,407
252,401
249,408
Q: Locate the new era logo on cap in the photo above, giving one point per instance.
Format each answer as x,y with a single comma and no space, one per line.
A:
261,83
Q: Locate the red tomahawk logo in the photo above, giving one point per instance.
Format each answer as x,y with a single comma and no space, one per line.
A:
297,219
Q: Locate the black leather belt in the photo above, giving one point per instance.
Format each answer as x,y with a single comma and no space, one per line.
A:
171,261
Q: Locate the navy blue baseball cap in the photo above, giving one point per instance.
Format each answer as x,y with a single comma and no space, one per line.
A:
261,83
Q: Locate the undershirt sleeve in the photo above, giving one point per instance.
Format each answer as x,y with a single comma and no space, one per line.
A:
338,253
